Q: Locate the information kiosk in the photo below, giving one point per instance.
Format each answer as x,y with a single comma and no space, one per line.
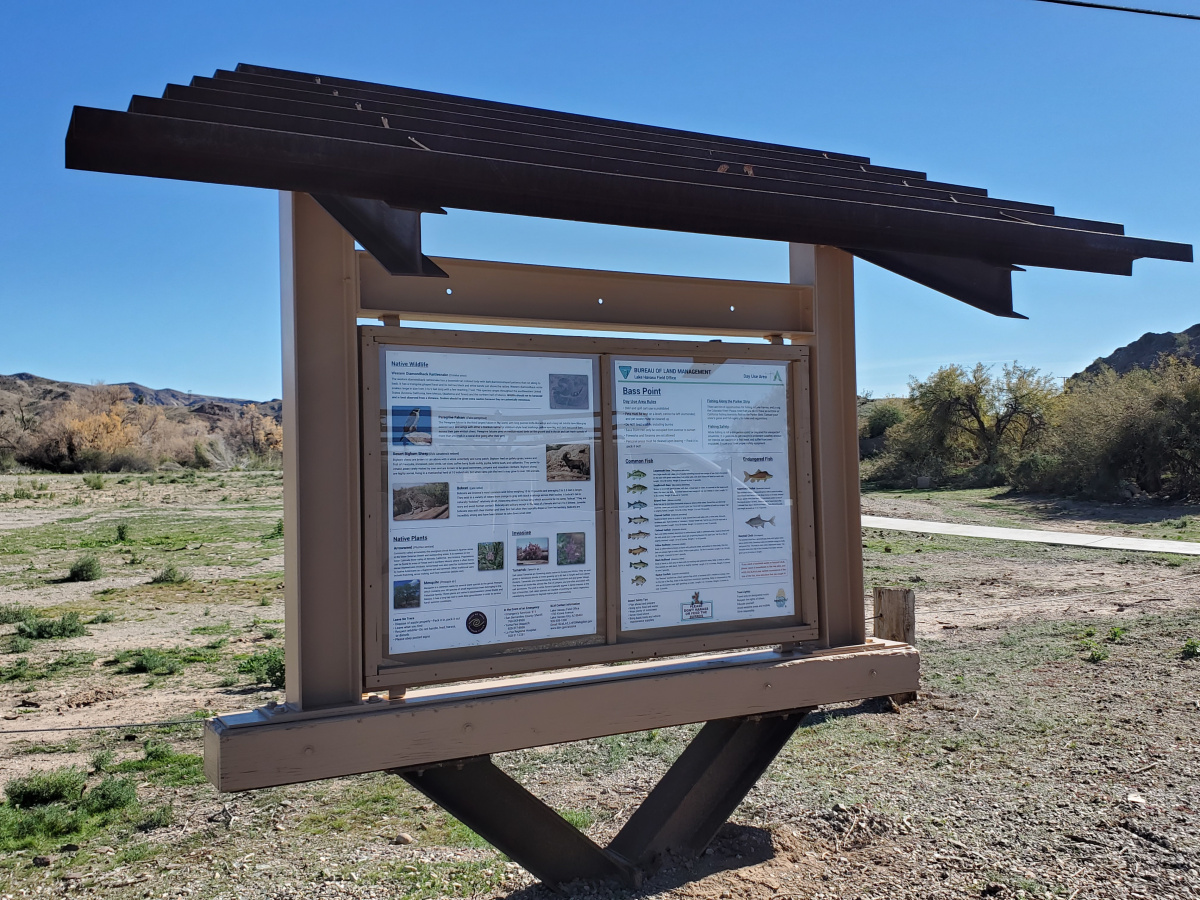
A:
480,526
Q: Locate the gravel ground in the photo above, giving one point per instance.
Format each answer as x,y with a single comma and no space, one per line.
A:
1052,750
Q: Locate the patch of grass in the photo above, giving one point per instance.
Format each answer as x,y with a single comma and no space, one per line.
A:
1116,634
111,793
163,765
12,613
159,817
86,568
102,618
171,574
265,667
41,788
421,880
150,661
580,818
275,532
223,628
24,670
70,745
94,480
68,625
19,644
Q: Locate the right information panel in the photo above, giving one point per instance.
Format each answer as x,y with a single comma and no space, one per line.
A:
703,491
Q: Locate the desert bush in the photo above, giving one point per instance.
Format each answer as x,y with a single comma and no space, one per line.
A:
123,532
150,661
882,417
11,613
265,667
94,480
68,625
1112,431
170,574
86,568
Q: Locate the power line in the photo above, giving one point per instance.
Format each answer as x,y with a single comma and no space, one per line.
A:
1128,9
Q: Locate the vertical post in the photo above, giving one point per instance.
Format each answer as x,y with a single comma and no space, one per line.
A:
895,612
319,287
835,440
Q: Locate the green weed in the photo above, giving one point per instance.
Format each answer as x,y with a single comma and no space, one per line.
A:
1191,649
171,574
68,625
265,667
159,817
86,568
41,788
95,481
11,613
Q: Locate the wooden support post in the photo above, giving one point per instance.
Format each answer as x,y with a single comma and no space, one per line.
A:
895,616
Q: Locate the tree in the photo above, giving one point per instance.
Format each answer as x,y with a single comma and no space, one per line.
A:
978,417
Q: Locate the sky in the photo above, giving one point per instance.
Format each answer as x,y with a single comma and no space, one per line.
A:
173,284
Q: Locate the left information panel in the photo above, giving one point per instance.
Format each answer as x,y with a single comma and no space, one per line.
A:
491,473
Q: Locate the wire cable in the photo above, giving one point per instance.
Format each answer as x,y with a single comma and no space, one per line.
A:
191,721
1128,9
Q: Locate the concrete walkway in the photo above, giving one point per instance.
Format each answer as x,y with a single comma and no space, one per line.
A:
1071,538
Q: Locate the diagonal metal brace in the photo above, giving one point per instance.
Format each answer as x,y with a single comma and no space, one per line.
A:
391,235
680,816
489,802
702,789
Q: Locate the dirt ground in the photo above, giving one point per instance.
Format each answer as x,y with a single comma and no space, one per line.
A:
1052,751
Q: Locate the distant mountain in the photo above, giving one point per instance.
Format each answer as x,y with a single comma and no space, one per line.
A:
38,391
1148,349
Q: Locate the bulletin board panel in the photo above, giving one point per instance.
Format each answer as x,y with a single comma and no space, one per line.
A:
577,522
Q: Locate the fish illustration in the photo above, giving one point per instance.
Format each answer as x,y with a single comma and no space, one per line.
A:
637,551
760,522
636,473
638,564
638,520
635,488
638,580
760,475
637,504
638,535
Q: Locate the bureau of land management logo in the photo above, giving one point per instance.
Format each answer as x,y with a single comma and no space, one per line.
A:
625,370
476,622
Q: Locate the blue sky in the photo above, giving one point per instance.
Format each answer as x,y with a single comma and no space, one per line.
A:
172,284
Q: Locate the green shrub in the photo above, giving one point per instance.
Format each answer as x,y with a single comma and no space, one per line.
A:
150,661
265,667
111,793
19,644
159,817
11,613
68,625
171,574
1096,652
883,416
95,481
275,532
1116,634
24,827
86,568
102,760
41,788
102,618
123,532
1191,648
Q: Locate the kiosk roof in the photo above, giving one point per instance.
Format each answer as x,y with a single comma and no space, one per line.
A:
277,129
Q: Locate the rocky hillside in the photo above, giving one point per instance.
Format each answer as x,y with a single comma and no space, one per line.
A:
38,395
1149,348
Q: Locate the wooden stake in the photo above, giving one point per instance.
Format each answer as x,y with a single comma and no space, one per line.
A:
896,620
